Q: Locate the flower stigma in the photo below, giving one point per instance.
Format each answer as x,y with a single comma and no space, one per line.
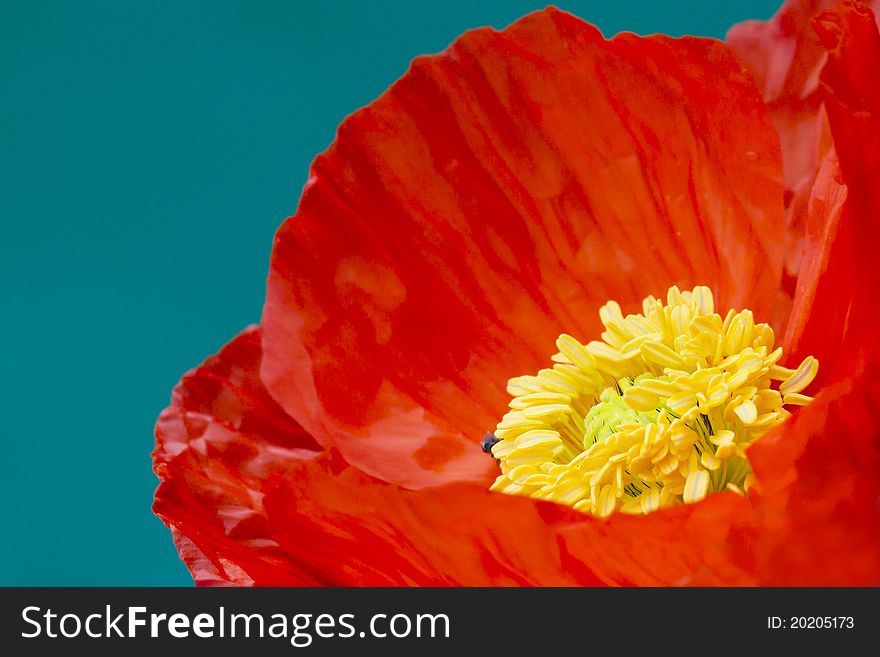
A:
659,412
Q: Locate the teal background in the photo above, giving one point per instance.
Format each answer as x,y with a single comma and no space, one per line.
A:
148,151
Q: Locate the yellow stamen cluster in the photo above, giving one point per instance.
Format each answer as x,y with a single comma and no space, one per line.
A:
658,412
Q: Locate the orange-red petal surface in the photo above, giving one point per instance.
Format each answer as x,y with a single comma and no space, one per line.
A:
493,198
786,57
681,546
349,528
250,501
817,514
836,311
818,476
217,445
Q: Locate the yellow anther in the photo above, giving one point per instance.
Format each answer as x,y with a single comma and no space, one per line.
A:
538,399
520,473
640,399
662,355
657,386
716,395
574,351
650,501
796,399
704,300
710,461
607,502
537,438
603,351
546,410
779,373
681,401
802,377
657,413
724,445
696,486
556,381
523,385
610,312
747,411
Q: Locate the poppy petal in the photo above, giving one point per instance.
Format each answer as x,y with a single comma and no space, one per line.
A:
216,445
350,529
836,310
494,198
682,546
786,57
817,493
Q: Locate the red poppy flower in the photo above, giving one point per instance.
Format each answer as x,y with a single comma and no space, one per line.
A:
494,198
